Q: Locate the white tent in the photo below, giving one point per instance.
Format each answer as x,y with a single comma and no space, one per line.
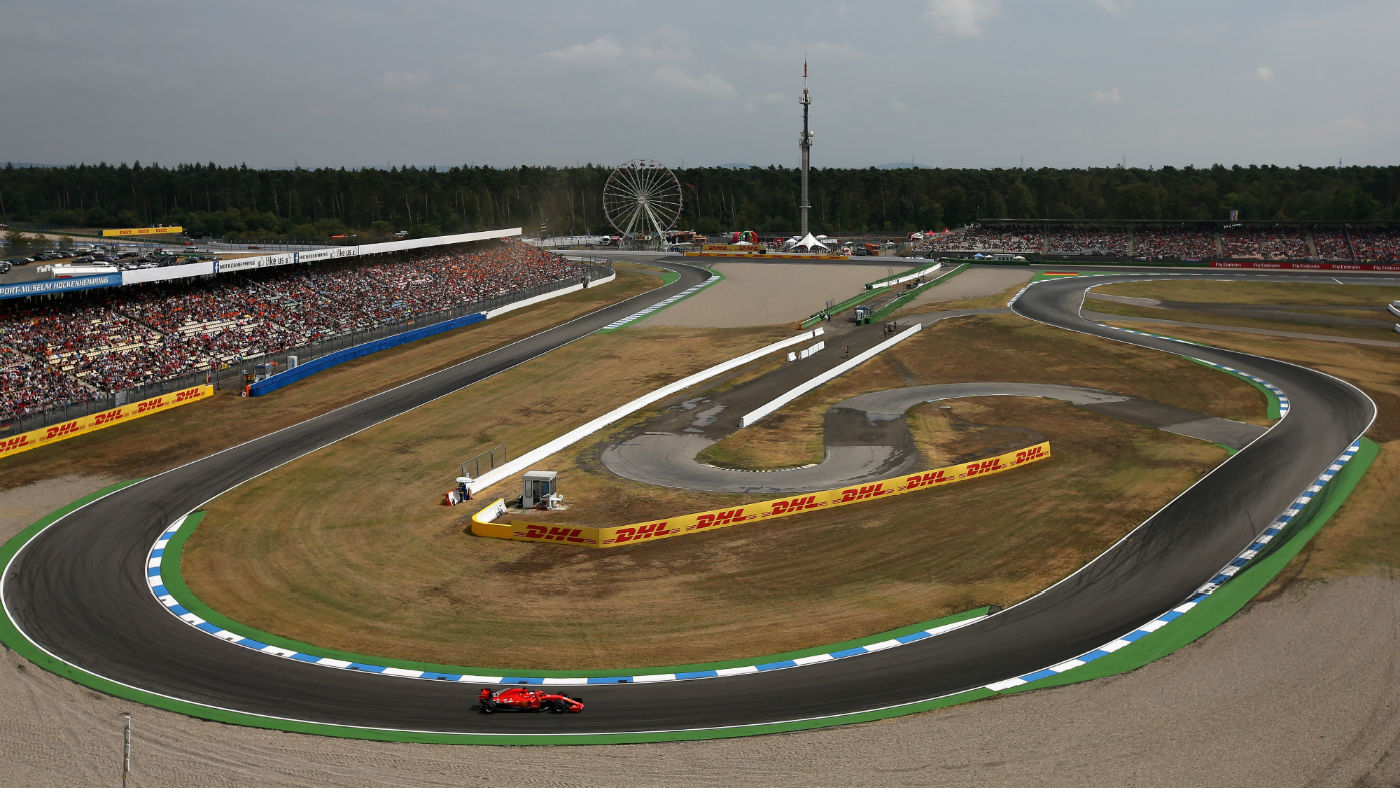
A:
809,242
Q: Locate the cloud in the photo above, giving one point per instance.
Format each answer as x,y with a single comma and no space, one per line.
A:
898,106
1263,74
962,17
402,80
600,50
1114,7
764,101
794,50
708,85
1106,96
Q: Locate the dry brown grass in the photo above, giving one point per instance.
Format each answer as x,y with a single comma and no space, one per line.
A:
157,443
426,591
990,348
1317,295
1361,538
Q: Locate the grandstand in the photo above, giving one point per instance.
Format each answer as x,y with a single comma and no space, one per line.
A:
105,345
1158,241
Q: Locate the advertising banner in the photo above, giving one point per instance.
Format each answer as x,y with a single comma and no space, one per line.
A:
332,253
613,536
733,248
264,261
45,286
33,439
1270,265
142,231
182,271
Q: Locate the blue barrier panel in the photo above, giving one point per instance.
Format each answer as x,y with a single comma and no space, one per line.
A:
268,385
46,286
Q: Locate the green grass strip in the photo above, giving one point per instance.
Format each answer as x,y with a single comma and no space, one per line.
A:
875,284
906,297
175,584
1272,405
849,303
1227,600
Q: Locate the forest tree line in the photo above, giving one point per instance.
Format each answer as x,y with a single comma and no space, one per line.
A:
372,204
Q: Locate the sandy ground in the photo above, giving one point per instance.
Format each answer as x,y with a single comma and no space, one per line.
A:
974,283
763,294
1299,690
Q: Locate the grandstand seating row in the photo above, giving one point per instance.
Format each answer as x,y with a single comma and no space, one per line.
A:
1159,242
63,350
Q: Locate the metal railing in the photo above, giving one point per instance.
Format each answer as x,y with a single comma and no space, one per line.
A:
229,374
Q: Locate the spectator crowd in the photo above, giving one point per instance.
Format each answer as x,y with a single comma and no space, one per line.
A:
1184,241
80,346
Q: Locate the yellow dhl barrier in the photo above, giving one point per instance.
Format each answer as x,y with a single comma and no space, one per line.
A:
97,421
142,231
612,536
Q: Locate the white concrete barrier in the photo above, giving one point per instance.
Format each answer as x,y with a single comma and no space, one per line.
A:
573,436
763,410
551,294
906,278
1394,307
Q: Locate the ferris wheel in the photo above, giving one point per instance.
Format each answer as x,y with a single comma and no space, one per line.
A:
642,198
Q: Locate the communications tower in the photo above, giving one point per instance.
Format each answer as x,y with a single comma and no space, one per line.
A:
804,143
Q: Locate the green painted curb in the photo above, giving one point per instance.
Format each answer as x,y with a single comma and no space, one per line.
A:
1227,600
1272,406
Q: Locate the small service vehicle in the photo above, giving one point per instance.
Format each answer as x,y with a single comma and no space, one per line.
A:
526,699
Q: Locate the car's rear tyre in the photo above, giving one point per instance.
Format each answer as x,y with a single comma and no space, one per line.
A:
488,707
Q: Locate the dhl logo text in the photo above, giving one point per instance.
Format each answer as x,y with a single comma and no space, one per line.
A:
10,444
861,493
66,428
556,534
984,466
794,505
108,417
637,533
720,518
1026,455
925,479
150,404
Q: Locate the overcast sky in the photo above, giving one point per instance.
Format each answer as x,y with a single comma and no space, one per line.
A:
951,83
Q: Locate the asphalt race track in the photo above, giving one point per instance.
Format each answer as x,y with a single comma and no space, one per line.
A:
78,590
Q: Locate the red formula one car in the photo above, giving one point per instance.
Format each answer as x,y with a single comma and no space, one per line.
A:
524,699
